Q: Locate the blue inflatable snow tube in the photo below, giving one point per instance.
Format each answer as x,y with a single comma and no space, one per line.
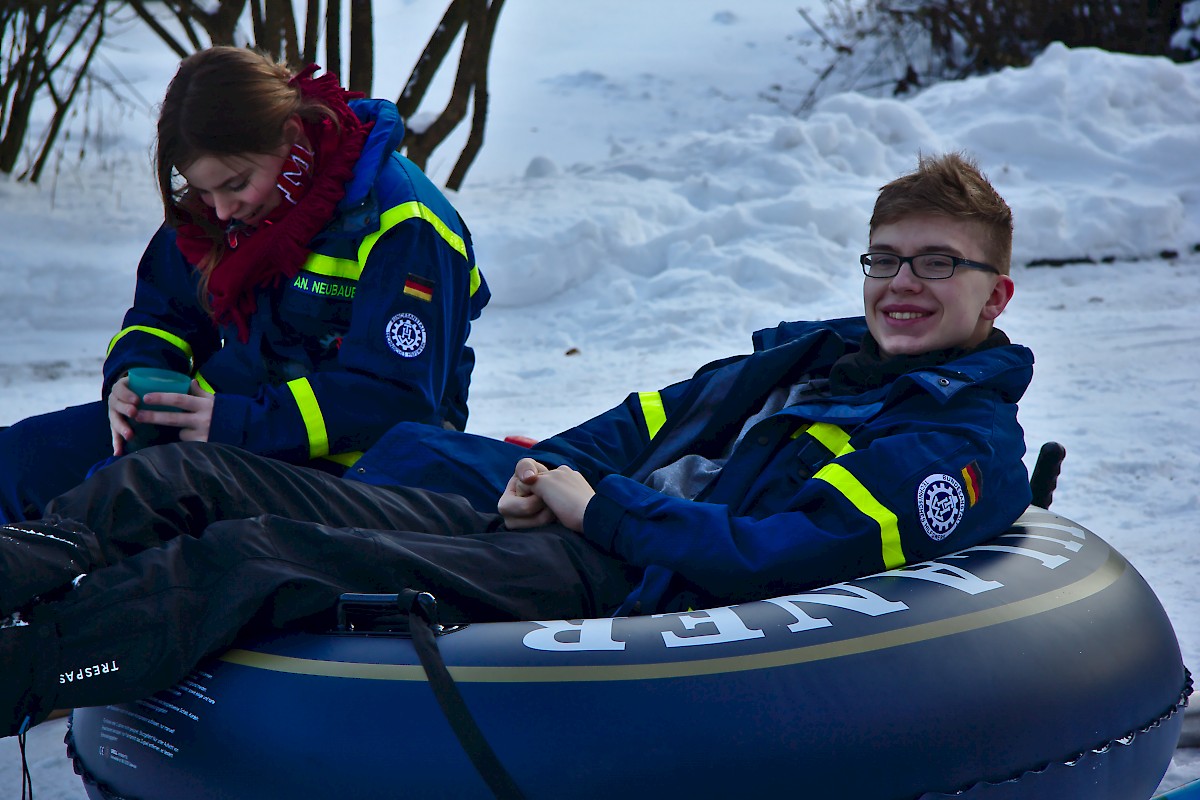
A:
1038,665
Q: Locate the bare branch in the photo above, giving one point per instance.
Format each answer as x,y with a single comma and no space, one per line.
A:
140,9
63,106
425,142
430,60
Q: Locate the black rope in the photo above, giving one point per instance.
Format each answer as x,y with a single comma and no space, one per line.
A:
474,743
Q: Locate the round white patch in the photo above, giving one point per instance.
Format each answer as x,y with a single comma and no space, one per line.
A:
405,334
940,504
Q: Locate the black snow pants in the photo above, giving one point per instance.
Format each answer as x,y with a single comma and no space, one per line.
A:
193,545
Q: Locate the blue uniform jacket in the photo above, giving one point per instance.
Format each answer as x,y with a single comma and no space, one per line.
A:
821,491
371,332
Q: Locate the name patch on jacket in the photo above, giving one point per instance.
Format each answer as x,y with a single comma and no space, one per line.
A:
941,503
326,287
418,287
405,334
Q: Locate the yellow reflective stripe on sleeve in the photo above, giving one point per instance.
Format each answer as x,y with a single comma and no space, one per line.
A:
159,332
310,412
205,385
352,270
653,411
841,479
406,211
836,440
345,459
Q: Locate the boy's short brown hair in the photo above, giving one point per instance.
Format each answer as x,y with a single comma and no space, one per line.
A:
953,186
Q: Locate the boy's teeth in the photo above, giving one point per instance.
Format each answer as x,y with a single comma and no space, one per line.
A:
904,314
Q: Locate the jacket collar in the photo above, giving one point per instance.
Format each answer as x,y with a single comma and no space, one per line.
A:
1004,367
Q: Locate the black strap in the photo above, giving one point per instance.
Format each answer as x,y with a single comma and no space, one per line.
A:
420,606
26,777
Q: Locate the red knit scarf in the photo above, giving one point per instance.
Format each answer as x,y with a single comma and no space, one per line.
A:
311,184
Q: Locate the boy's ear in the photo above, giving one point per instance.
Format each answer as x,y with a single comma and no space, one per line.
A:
1002,292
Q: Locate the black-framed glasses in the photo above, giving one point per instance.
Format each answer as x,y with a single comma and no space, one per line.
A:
930,266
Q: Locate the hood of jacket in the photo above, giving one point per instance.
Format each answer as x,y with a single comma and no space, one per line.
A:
358,211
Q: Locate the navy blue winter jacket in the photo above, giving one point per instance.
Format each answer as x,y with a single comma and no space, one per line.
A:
822,491
371,332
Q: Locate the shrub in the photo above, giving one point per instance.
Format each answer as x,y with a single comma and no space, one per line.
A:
910,43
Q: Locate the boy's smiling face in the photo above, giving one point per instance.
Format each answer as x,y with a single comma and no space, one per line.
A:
908,315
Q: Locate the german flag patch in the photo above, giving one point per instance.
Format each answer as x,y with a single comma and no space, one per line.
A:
972,482
418,287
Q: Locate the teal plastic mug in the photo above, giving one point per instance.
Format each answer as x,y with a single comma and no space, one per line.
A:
143,381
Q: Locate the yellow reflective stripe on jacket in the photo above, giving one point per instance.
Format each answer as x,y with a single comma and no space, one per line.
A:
653,411
159,332
310,412
840,478
205,385
410,210
836,440
345,459
352,270
333,267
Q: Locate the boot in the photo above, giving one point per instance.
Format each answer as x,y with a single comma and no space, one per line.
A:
26,688
40,556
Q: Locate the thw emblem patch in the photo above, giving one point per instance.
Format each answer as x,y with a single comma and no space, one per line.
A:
405,334
941,503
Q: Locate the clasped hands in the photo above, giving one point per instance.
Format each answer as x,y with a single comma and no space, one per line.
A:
537,495
194,418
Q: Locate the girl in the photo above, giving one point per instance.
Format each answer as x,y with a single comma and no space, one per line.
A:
313,282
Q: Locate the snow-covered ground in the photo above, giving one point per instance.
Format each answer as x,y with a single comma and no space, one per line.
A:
646,198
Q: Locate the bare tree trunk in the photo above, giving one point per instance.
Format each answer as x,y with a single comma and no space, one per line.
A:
421,144
474,138
362,47
312,31
479,114
258,27
279,23
333,37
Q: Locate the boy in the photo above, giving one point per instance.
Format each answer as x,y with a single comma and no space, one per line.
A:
835,450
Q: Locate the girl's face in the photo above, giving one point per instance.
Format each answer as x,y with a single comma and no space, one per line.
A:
908,315
240,187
